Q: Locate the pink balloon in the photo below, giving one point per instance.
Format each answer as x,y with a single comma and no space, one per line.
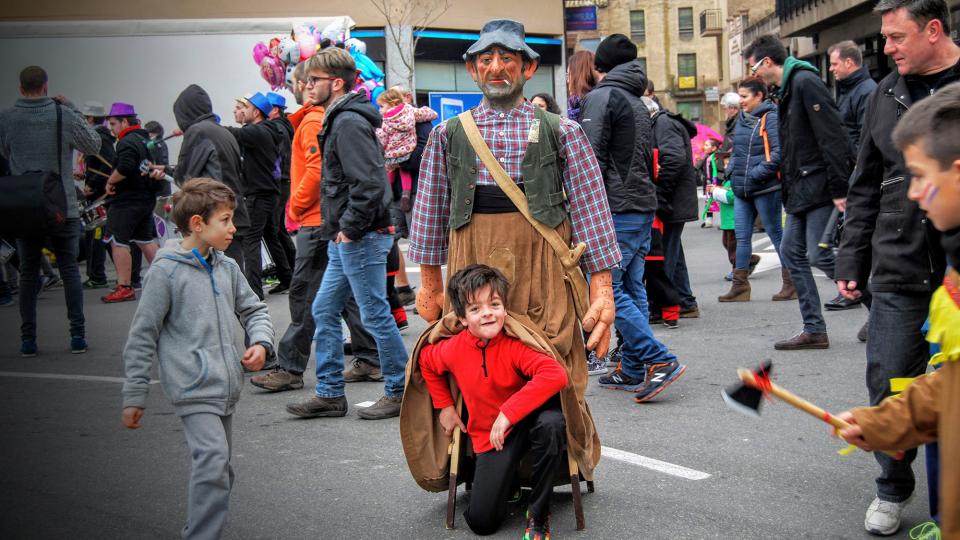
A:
271,69
260,51
308,45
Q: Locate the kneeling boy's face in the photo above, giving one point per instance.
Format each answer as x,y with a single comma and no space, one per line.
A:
936,190
217,231
485,314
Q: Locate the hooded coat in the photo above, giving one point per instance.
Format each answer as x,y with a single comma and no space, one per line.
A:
353,194
208,149
749,171
676,177
618,127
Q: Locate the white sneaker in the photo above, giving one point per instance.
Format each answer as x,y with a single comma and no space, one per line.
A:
883,518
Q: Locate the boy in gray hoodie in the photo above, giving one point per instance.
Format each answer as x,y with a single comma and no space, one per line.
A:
186,320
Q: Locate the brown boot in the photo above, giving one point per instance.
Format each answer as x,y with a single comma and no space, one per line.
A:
803,341
787,291
740,290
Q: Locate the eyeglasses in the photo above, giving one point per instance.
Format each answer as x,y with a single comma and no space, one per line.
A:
756,67
312,79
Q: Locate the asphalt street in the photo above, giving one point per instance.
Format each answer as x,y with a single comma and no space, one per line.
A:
69,469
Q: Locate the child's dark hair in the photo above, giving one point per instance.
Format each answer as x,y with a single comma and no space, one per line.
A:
200,197
934,125
464,285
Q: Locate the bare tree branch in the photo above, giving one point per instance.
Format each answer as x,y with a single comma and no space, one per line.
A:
415,15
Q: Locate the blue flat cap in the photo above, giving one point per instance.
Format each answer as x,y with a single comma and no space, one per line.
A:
505,33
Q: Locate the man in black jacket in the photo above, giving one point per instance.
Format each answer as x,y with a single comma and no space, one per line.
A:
278,119
816,159
354,205
907,260
210,151
617,125
260,147
98,167
676,182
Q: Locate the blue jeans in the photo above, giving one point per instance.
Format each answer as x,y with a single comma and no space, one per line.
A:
360,267
896,348
639,345
768,206
799,252
66,246
675,264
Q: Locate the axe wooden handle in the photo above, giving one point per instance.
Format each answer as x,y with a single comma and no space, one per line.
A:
798,402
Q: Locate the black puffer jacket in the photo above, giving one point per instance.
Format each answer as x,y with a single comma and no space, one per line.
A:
618,126
852,94
907,255
676,178
816,156
208,149
353,195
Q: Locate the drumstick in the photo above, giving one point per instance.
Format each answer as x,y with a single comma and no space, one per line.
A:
101,173
105,162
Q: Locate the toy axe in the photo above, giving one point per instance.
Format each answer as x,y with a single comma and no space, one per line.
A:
748,395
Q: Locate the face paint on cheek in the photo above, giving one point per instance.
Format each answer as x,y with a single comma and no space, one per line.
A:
931,193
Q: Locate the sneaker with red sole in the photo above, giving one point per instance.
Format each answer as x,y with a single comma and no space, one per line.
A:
123,293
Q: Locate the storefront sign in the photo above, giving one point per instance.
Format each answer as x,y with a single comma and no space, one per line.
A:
581,18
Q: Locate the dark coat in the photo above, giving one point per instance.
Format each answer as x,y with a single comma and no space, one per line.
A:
880,220
852,94
285,128
749,171
353,195
208,149
617,124
260,148
816,156
677,177
131,152
96,167
412,165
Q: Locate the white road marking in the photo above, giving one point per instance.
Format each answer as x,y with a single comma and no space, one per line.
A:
653,464
66,377
364,404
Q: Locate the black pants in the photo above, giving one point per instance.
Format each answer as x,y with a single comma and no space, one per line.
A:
235,249
543,435
295,346
96,255
289,251
262,210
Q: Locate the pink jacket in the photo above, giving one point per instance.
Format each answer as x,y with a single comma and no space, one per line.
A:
398,135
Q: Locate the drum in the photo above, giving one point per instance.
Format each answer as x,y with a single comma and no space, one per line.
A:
93,215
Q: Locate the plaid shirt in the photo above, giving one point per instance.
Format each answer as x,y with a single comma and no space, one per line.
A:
506,135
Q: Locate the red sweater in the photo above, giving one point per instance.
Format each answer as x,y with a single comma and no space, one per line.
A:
505,376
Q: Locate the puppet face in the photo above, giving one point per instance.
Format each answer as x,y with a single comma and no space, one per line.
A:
935,189
501,73
485,314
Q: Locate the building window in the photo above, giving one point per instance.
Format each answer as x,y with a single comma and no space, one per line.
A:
685,18
687,71
691,110
643,65
638,25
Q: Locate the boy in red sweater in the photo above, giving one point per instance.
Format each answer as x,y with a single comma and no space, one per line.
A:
510,391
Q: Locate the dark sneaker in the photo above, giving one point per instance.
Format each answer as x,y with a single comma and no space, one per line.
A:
595,365
674,324
278,380
93,284
613,357
49,282
618,380
122,293
362,372
318,406
280,288
655,318
659,376
840,303
28,348
78,345
407,296
537,530
385,407
690,313
803,341
862,333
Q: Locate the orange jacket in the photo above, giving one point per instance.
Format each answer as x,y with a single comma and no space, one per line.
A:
305,166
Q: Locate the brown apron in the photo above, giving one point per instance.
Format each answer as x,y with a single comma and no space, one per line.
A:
542,315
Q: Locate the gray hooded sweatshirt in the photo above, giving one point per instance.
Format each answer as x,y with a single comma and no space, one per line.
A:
186,320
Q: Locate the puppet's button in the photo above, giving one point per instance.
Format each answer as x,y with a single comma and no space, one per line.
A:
467,201
473,170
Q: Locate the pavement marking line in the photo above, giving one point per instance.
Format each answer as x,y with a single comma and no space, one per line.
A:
63,376
364,404
653,464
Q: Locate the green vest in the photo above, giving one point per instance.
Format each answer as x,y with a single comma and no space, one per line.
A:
541,170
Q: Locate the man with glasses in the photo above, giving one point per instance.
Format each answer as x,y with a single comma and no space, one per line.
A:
354,205
907,262
816,159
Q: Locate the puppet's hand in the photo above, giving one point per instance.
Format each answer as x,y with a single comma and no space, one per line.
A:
853,433
599,317
430,295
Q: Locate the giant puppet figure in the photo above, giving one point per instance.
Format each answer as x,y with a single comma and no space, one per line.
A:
461,216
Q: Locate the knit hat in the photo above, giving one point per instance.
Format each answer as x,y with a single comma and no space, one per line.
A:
122,109
616,49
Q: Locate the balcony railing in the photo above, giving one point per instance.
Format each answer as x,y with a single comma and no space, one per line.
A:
711,23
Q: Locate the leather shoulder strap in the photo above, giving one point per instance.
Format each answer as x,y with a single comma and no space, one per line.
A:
568,257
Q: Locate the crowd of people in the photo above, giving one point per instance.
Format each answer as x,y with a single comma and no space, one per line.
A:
557,231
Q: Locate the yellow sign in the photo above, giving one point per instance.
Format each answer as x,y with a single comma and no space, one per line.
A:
687,83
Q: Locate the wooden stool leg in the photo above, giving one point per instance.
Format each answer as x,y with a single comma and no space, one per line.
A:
454,451
575,486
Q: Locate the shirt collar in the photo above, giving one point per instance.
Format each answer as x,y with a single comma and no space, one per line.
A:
524,109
